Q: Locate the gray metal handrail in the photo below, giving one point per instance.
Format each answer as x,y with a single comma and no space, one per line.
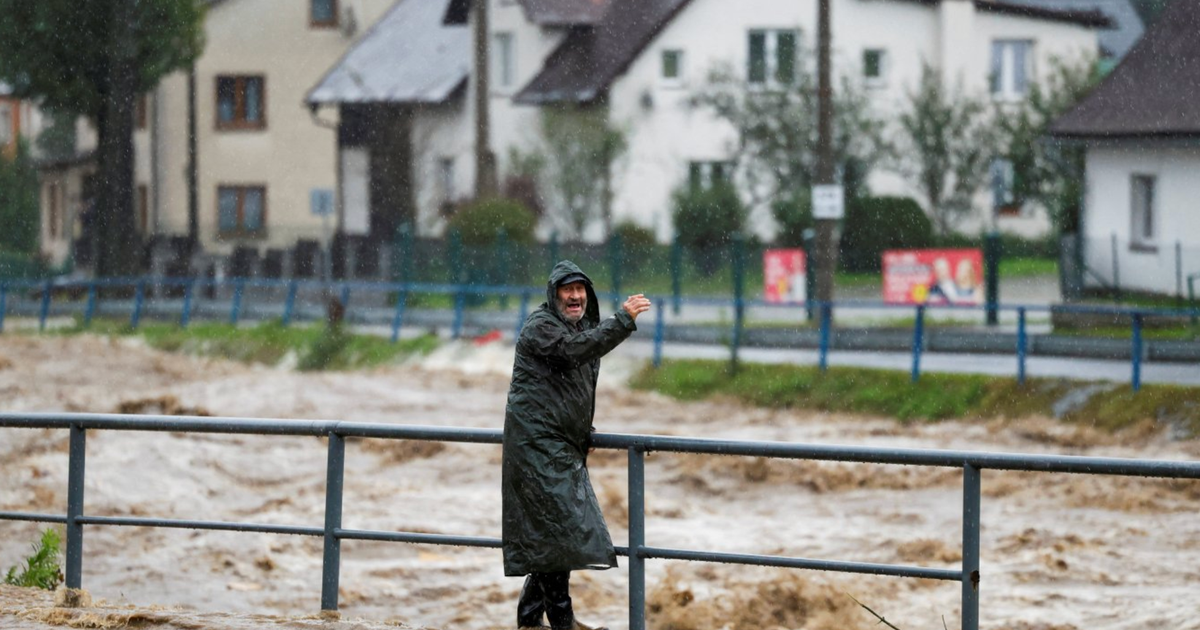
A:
971,462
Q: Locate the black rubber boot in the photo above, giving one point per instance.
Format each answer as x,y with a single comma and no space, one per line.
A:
557,590
531,605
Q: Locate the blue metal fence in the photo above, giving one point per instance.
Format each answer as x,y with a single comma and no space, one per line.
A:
636,446
288,292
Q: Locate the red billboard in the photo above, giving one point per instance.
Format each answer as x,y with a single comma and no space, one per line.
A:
933,276
784,276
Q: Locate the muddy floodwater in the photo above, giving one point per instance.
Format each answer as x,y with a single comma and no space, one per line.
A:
1059,552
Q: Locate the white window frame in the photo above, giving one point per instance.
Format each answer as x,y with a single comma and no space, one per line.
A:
679,79
884,65
1005,82
1143,211
504,68
706,169
771,56
445,180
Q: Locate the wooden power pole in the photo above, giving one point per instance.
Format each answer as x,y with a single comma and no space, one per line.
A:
485,161
827,193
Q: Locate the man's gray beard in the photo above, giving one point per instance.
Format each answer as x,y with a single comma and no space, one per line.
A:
562,310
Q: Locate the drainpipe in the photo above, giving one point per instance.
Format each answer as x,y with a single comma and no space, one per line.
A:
193,168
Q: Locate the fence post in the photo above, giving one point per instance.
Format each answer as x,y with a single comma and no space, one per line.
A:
345,297
90,310
289,303
1136,351
3,304
826,324
1178,273
331,563
398,318
1021,345
75,476
1191,299
522,315
44,312
660,316
918,341
185,316
739,307
502,265
235,311
991,272
637,539
139,297
1116,268
553,251
614,262
676,265
970,562
460,307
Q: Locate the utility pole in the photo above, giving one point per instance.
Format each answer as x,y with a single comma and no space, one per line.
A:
827,194
485,160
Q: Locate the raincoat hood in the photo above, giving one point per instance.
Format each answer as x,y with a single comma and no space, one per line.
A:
567,270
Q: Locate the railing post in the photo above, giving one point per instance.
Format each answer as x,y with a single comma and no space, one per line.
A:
331,564
676,273
637,538
918,341
970,567
1191,299
346,301
75,478
1022,341
521,315
660,325
1116,265
185,316
1136,353
45,310
3,304
1178,273
235,311
460,306
398,318
826,324
289,303
139,297
90,310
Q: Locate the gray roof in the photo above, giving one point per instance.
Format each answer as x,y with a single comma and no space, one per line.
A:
1153,92
564,12
1116,41
408,56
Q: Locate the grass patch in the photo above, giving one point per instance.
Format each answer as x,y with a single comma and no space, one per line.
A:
1173,333
1028,267
42,568
935,397
314,346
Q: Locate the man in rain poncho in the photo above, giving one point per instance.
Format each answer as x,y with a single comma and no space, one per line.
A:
552,524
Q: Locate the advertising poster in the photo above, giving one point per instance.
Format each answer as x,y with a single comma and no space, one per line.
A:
933,276
784,275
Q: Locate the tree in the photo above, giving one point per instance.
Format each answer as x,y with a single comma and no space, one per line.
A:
948,147
18,202
1046,171
581,148
775,156
91,59
707,220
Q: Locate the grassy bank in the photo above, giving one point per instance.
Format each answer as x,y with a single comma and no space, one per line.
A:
312,347
935,397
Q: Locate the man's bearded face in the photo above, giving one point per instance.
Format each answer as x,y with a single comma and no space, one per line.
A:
572,301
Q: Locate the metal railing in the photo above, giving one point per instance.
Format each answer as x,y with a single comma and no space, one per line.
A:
638,551
287,293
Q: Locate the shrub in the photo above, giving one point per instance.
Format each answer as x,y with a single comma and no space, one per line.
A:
637,244
42,569
480,221
706,220
19,212
875,224
793,215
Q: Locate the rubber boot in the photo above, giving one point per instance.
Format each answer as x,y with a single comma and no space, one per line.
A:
532,604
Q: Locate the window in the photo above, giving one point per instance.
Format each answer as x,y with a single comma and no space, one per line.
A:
1012,65
772,58
139,112
445,181
672,67
53,208
323,13
240,103
504,71
875,67
705,175
1142,211
241,211
142,208
1004,202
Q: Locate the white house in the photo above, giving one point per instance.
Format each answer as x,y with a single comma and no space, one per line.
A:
1140,224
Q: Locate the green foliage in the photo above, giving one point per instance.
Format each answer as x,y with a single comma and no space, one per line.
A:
777,131
936,396
59,51
480,222
581,148
793,215
19,215
42,568
57,139
875,224
706,220
949,144
637,245
1047,171
324,350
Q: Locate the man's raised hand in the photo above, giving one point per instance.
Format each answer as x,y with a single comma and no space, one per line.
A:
636,304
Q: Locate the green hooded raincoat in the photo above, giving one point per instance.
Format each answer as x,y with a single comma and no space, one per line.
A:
551,519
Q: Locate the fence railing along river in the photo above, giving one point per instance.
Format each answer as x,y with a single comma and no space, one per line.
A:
638,551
